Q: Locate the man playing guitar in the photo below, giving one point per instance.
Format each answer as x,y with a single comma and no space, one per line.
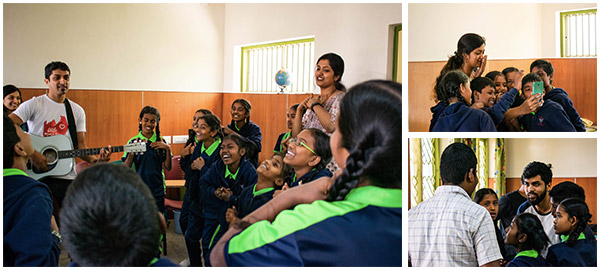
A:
46,116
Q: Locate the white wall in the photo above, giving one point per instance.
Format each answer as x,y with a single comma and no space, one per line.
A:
569,157
357,32
512,31
116,46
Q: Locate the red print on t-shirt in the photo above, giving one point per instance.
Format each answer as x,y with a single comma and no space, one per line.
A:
53,128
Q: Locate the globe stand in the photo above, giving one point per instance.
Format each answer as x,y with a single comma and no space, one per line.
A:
281,89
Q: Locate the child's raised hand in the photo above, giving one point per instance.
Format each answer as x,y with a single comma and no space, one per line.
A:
226,194
197,164
227,130
188,150
284,145
283,188
159,145
517,79
532,104
218,192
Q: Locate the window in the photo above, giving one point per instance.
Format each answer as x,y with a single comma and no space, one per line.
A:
261,62
578,33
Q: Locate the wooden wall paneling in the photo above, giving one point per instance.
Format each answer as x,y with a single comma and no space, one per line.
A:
268,112
111,116
587,183
577,76
591,197
421,95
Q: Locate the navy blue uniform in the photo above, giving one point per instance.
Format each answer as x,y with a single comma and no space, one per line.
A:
149,167
309,176
550,117
436,112
218,176
365,229
251,132
250,199
282,137
528,258
561,97
191,218
28,240
581,253
458,117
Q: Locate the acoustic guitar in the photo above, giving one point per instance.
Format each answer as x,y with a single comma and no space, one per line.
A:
59,153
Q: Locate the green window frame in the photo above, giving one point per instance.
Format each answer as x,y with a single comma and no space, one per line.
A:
260,63
574,40
397,64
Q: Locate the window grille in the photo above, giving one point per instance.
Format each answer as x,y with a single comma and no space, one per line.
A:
261,62
578,33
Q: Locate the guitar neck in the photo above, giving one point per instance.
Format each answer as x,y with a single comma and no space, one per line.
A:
86,152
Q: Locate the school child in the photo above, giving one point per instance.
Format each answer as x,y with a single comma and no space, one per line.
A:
221,185
272,174
334,221
545,70
30,233
549,117
483,92
241,125
109,218
149,165
527,235
576,249
308,154
488,198
458,116
499,83
291,114
196,164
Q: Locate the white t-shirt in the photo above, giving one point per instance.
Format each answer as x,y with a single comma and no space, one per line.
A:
46,117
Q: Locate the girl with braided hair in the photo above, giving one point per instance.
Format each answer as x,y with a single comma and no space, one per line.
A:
335,221
572,216
457,116
157,156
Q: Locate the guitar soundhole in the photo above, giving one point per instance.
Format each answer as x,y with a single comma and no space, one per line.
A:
51,156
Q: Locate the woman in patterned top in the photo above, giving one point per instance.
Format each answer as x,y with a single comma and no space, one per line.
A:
320,111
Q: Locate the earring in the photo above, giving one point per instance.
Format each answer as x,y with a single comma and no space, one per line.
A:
140,123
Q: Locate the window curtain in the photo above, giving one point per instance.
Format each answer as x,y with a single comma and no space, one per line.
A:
425,165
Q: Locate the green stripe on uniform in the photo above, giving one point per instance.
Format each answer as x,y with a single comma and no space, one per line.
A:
12,171
303,216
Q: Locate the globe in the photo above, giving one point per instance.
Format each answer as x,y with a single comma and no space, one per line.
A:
283,78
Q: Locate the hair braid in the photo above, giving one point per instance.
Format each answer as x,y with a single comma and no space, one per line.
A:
579,228
349,178
356,165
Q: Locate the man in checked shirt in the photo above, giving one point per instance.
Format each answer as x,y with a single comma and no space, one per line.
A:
449,229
